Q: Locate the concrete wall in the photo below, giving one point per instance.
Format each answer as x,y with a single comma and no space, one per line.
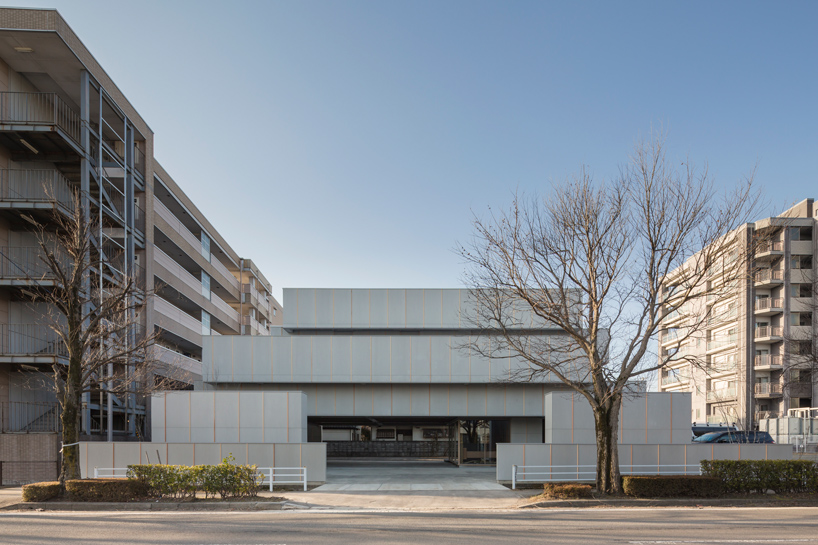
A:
526,430
227,417
649,418
646,456
360,358
313,456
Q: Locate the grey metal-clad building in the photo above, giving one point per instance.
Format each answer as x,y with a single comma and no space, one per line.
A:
386,358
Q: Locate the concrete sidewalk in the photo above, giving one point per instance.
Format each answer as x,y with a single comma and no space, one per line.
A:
10,495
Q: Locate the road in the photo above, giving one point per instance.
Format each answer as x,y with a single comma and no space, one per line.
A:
722,526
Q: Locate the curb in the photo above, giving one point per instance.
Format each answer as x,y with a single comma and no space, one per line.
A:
703,502
147,506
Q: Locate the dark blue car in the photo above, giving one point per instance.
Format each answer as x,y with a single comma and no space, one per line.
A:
735,437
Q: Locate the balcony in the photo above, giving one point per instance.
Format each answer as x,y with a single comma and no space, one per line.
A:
722,394
717,369
177,321
767,390
767,278
35,192
41,120
767,362
194,242
721,343
257,299
30,343
768,335
722,317
25,266
769,249
30,417
177,365
767,306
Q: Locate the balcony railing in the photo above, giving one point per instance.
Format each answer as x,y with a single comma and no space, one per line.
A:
760,415
30,340
719,368
768,275
766,360
767,331
39,109
164,212
767,388
721,342
769,246
29,417
26,263
219,266
36,186
174,313
139,160
768,303
721,394
673,379
729,315
177,270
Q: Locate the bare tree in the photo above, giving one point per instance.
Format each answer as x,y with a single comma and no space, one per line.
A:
95,309
604,262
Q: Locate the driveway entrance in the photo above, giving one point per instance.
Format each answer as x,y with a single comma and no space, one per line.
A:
407,475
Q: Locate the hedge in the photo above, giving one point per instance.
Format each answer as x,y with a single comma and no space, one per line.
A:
672,486
226,479
566,491
117,490
41,491
781,476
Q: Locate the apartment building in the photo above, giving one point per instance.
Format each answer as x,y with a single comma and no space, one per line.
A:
745,348
66,129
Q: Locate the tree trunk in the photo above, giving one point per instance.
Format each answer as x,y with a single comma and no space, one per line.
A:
606,420
71,410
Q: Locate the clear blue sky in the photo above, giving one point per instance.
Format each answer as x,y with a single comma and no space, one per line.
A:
356,138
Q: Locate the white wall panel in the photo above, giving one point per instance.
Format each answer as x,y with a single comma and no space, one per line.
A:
302,358
401,359
450,312
414,308
324,308
397,308
360,359
322,364
432,308
343,308
420,348
378,308
306,308
360,308
341,365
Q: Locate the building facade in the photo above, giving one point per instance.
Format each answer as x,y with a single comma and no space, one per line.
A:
393,364
746,349
67,130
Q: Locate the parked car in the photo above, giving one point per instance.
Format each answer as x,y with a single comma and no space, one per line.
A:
701,429
735,437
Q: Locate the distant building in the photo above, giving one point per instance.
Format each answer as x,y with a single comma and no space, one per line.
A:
750,354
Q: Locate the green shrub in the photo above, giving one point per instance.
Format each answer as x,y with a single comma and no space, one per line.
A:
105,490
672,486
781,476
226,479
566,491
41,491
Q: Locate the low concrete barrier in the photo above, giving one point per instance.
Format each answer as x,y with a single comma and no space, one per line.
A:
313,456
528,454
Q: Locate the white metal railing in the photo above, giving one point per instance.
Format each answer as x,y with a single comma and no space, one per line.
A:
721,342
766,360
544,474
224,307
767,388
769,275
39,109
268,475
767,331
110,472
767,303
273,475
35,185
725,316
721,394
165,213
769,246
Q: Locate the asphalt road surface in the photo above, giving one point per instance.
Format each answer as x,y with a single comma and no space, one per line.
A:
721,526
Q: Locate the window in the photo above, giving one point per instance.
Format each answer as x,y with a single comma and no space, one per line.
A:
800,233
800,290
801,348
205,246
801,318
205,323
206,285
801,262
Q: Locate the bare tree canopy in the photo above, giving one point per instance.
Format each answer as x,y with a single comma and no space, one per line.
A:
95,302
591,258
